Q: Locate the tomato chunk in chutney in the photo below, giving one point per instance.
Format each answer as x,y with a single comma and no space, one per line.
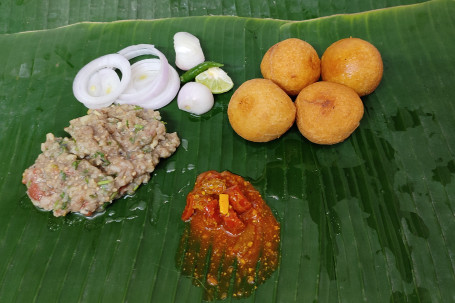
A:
232,236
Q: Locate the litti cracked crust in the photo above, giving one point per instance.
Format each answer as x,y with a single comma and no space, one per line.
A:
328,113
292,64
353,62
260,111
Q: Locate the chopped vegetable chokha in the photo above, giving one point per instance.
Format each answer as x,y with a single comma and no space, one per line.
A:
111,152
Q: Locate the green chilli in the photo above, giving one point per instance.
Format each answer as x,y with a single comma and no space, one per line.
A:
192,73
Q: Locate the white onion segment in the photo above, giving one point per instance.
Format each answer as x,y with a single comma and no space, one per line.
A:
85,78
137,50
188,51
150,83
195,98
143,75
167,95
103,82
156,86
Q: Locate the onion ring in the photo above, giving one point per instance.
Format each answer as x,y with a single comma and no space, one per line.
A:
143,74
167,95
156,86
150,83
102,82
81,81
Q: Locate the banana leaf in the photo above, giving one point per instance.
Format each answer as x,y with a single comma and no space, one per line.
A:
369,219
25,15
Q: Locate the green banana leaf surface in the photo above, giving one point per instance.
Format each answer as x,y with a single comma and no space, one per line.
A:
368,219
25,15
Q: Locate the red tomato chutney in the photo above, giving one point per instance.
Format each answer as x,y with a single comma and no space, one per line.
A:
231,248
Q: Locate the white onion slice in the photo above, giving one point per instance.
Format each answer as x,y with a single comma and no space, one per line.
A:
146,76
143,74
150,83
167,95
82,81
157,86
137,50
102,82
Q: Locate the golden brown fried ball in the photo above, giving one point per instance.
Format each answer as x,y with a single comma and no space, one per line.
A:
353,62
327,112
260,111
292,64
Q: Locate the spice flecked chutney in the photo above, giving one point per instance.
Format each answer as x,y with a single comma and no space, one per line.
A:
232,236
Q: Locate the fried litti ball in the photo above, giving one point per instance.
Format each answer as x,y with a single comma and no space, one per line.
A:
327,112
260,111
292,64
353,62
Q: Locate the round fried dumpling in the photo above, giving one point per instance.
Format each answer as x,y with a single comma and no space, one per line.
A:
353,62
292,64
260,111
327,112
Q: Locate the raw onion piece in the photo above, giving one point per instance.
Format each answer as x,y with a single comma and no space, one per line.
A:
86,78
103,82
137,50
168,94
188,51
150,83
143,73
195,98
145,67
